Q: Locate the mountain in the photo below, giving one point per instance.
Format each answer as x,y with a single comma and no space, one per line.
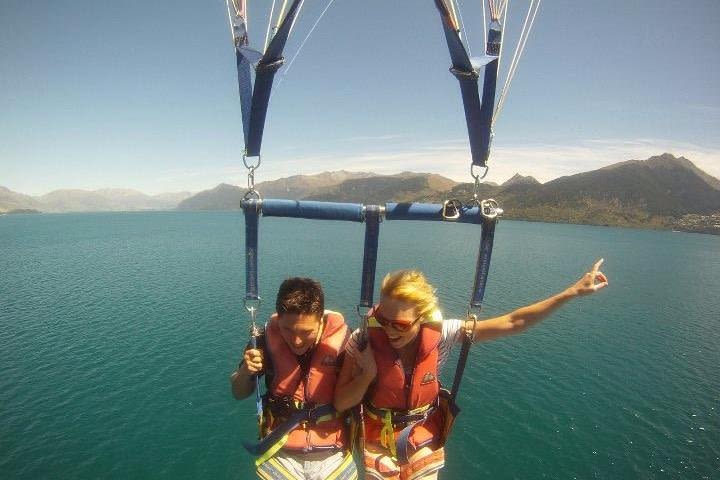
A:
403,187
105,200
10,200
329,187
222,197
518,179
108,200
303,186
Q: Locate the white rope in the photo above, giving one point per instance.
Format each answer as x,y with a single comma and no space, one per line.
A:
302,44
524,35
270,21
462,26
482,5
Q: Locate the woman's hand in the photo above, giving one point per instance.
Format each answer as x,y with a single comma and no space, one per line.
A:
364,359
591,282
253,361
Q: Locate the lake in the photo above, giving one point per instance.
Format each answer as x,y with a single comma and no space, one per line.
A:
118,332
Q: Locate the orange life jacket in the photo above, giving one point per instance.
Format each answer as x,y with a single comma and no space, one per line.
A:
315,388
390,393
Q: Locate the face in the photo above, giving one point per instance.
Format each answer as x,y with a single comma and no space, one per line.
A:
391,311
299,330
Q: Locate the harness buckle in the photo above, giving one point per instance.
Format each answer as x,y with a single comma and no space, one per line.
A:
452,209
490,209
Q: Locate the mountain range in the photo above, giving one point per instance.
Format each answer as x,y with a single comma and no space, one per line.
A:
661,192
105,200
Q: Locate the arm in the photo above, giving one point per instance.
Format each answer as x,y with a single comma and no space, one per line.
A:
242,380
357,373
523,318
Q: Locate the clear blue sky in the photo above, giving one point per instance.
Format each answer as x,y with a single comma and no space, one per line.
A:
143,94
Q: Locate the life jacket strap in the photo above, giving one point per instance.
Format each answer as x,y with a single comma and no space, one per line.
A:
394,419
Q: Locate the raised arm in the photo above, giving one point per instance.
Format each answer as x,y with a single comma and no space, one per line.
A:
523,318
357,373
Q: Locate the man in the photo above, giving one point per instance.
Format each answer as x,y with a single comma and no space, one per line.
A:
300,354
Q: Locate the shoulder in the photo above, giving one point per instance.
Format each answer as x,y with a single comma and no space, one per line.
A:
453,330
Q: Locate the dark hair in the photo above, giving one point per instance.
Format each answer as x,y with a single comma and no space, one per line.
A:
300,295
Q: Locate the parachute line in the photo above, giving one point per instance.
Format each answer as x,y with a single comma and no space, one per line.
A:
302,44
519,49
270,21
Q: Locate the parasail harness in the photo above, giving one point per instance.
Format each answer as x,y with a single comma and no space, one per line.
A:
480,116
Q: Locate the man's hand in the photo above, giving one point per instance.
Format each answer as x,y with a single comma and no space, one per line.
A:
591,282
253,361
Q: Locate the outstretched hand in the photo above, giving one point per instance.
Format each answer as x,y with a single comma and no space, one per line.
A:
592,281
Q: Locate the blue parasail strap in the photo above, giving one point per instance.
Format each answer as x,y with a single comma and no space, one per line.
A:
265,71
370,251
481,274
251,208
483,262
478,115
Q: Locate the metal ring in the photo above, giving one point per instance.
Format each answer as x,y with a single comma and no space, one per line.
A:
250,194
251,167
477,176
252,305
490,209
361,314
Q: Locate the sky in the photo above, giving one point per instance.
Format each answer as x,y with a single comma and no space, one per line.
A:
143,94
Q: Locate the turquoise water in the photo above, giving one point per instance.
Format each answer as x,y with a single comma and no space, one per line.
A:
118,333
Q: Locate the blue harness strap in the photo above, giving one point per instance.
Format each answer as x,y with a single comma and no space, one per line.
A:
483,262
478,115
372,234
265,71
284,428
251,209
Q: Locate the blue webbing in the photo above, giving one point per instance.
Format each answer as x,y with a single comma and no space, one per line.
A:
483,262
372,234
312,210
245,89
478,116
239,28
265,71
292,422
251,210
429,212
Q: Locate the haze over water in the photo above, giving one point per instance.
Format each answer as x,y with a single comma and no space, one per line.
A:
118,333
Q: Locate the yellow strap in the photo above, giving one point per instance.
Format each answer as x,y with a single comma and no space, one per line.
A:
387,434
271,451
343,466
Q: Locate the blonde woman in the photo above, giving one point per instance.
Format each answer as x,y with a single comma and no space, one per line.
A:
396,375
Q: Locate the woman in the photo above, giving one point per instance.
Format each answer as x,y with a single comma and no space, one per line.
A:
396,376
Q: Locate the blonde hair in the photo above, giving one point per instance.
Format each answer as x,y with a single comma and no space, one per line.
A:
411,286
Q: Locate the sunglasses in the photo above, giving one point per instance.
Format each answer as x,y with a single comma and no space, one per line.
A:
400,326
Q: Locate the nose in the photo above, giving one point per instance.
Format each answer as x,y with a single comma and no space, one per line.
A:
297,341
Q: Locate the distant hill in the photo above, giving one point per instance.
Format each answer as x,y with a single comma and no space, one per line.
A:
105,200
403,187
661,192
10,200
338,187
